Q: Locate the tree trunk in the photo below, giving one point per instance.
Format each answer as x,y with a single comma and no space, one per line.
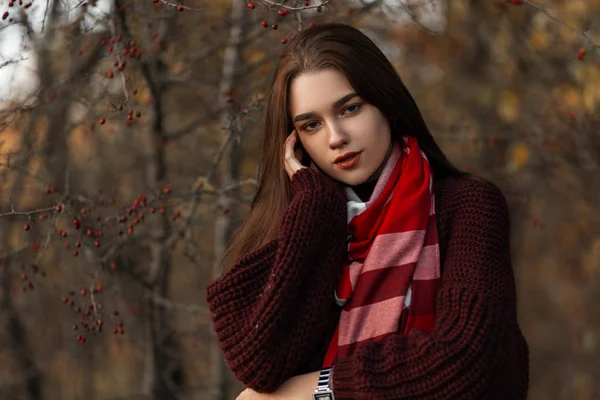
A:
19,346
163,373
228,173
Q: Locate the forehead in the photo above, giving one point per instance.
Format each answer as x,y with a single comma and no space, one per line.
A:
317,91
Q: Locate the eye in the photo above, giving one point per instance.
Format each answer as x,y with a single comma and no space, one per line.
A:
310,126
351,109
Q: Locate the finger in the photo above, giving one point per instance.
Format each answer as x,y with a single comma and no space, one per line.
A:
290,160
290,142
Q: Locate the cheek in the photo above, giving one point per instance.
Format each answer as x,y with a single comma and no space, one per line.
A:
313,146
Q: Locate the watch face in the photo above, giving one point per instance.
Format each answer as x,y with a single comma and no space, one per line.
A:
323,396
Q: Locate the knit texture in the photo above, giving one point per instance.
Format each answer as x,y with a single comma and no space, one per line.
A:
274,315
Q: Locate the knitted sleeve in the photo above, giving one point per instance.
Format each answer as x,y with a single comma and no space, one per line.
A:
265,323
476,350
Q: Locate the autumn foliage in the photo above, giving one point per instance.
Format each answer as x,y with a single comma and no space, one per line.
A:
129,136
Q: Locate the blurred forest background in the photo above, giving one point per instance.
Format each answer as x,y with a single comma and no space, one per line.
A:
129,133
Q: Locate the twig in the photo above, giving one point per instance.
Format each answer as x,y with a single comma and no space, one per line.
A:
174,305
586,36
6,63
179,6
292,8
25,213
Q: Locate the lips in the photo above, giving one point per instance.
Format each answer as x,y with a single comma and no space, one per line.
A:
346,162
345,156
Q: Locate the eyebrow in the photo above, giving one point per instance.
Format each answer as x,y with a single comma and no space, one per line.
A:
336,104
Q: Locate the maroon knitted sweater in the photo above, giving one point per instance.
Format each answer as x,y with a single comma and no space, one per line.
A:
274,313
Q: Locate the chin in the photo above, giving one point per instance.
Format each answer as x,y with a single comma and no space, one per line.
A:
352,179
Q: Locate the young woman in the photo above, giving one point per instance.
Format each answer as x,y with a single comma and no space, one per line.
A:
369,267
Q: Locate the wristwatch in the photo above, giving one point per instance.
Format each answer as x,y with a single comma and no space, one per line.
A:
323,390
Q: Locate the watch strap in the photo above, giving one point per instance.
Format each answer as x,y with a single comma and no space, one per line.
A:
323,390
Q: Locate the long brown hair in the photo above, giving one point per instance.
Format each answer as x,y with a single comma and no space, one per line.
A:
376,81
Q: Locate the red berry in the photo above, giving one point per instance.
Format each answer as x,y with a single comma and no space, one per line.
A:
581,54
284,40
274,27
78,244
97,243
58,208
113,266
265,24
75,253
90,232
251,6
110,75
27,227
102,121
65,300
83,292
76,224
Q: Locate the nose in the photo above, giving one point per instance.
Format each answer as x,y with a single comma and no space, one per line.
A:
337,136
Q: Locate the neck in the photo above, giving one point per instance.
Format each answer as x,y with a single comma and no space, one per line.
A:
364,190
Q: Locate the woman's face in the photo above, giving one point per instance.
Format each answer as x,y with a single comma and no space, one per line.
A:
331,120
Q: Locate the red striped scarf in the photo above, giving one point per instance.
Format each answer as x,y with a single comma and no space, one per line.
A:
392,276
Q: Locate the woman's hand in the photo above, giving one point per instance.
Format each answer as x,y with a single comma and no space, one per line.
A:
292,156
299,387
